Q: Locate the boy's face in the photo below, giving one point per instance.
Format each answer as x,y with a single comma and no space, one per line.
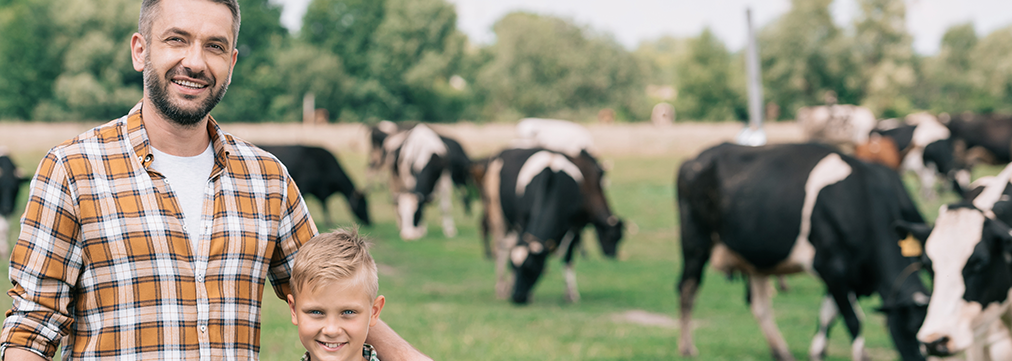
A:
334,319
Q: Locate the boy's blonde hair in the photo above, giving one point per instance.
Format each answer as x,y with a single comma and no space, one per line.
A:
339,255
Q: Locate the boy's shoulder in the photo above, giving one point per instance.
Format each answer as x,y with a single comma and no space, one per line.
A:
368,352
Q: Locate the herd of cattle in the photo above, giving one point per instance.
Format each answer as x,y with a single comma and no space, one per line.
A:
834,207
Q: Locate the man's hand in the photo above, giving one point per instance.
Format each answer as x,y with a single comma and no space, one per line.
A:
20,354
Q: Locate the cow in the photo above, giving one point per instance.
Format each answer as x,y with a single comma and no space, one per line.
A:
926,148
537,202
384,138
783,209
842,126
316,171
983,138
422,164
969,250
575,142
11,179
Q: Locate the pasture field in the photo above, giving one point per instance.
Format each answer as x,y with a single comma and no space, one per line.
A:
440,294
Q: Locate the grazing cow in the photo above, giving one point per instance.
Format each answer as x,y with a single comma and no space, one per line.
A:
11,179
420,163
782,209
969,251
536,202
926,147
576,142
983,138
316,171
842,126
384,138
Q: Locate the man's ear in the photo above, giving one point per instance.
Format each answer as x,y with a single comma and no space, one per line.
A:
138,47
291,307
377,307
235,56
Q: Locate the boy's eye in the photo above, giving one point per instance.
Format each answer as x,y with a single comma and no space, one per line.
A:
348,312
315,312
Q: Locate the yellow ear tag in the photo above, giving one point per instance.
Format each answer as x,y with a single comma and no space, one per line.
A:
910,247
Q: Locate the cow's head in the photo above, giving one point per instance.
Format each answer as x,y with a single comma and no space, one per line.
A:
609,227
11,179
941,153
970,253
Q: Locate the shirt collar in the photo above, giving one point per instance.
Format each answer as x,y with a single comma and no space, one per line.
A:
138,136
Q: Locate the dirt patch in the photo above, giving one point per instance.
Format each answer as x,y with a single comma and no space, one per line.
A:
478,139
645,318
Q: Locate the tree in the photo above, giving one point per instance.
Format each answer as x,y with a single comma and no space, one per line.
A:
947,84
804,55
27,70
991,73
546,66
886,55
705,89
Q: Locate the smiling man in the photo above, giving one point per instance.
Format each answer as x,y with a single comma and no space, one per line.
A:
152,237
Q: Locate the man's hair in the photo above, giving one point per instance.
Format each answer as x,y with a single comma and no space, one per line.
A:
341,255
149,10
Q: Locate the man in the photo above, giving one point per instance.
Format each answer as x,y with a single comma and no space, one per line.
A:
150,237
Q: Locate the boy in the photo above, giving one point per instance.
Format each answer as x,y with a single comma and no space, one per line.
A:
334,297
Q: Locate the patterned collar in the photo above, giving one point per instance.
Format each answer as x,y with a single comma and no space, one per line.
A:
368,352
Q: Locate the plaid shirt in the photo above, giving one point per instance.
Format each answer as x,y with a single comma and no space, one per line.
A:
104,258
368,352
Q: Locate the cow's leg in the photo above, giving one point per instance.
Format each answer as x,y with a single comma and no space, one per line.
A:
697,247
497,227
445,203
4,230
572,293
762,309
504,278
827,314
846,304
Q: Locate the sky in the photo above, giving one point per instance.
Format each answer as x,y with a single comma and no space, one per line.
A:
633,21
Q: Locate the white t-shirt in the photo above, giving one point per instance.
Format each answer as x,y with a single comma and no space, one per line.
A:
187,177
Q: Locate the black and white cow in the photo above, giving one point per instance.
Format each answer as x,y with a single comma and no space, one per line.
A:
782,209
536,202
927,150
422,164
983,138
11,179
841,125
969,251
316,171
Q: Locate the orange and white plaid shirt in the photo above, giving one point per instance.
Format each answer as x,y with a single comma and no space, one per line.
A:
103,257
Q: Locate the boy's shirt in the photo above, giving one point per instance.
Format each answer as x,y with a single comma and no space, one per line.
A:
368,352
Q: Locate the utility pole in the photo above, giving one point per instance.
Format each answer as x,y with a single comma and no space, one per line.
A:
753,134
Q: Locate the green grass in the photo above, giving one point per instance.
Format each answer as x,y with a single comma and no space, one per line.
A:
440,291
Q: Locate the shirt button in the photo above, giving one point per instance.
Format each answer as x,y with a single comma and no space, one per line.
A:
203,328
200,278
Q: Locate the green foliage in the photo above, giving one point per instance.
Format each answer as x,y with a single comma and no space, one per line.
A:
543,65
804,55
705,88
406,60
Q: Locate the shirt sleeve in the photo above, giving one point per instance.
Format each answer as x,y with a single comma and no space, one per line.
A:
44,263
296,227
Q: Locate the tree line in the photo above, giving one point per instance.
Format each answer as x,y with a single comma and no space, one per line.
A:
365,60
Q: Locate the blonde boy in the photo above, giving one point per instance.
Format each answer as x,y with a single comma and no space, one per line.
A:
334,297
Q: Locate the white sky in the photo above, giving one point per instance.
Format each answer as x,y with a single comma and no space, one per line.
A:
632,21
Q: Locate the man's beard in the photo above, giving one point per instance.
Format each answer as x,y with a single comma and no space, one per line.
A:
158,92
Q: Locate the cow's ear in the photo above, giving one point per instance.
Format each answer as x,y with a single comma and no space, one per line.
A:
920,231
